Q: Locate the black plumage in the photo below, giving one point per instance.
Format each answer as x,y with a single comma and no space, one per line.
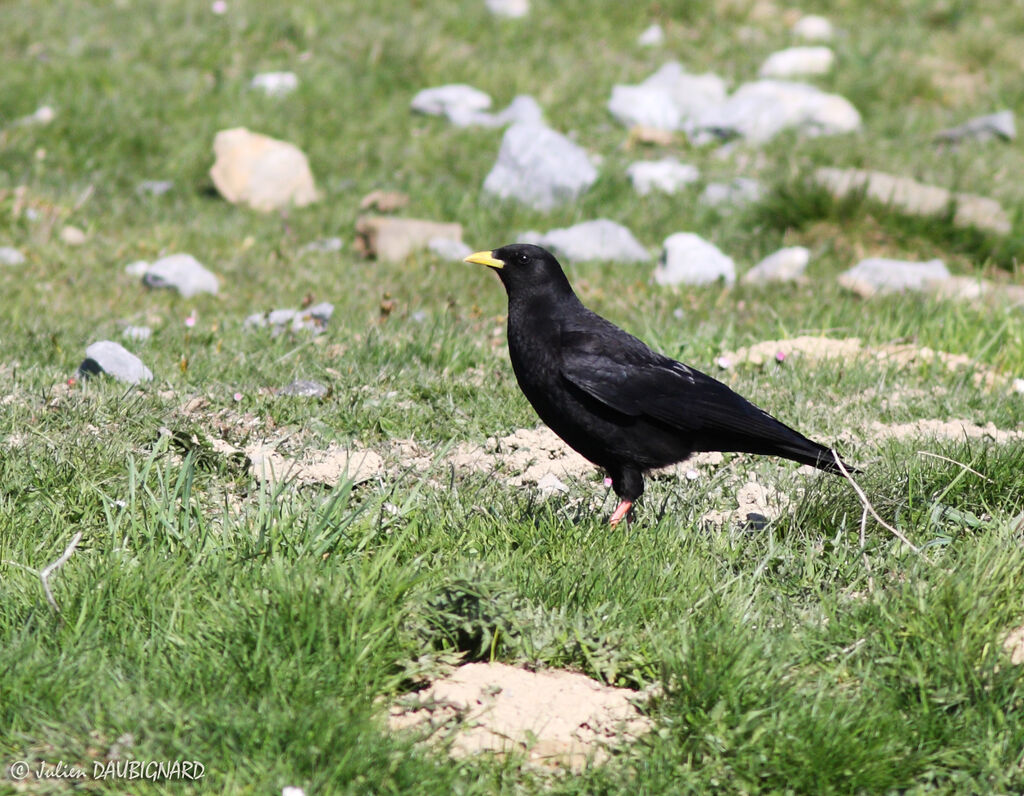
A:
623,406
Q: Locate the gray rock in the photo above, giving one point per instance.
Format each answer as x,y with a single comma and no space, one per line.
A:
113,359
760,110
688,259
275,84
785,265
510,9
138,333
457,98
323,246
11,256
813,28
736,192
882,275
183,272
539,167
302,388
916,198
796,61
449,249
598,240
670,99
312,319
982,128
651,37
154,187
667,175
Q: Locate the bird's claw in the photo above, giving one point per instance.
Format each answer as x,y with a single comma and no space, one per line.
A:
622,510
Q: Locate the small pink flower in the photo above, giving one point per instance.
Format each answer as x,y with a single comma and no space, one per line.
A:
219,7
607,482
723,363
190,321
238,396
72,381
780,356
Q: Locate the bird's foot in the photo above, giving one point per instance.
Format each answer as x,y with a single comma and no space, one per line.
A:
622,510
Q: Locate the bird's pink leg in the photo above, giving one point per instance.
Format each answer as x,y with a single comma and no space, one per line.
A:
620,511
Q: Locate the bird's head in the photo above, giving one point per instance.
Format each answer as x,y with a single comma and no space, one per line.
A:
524,269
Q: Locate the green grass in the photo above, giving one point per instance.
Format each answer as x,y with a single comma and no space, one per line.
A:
261,630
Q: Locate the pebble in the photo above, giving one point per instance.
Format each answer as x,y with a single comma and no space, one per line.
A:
509,9
670,99
113,359
454,98
785,265
449,249
261,172
689,259
275,84
738,191
312,319
42,115
303,388
796,61
539,168
653,36
813,28
982,128
137,268
11,256
72,236
667,175
138,333
323,246
183,272
599,240
154,187
883,275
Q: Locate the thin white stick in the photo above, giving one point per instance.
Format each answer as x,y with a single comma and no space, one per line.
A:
44,576
864,553
958,464
867,505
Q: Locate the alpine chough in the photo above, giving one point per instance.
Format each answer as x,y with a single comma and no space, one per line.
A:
624,407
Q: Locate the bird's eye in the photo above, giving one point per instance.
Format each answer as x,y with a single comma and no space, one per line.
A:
523,258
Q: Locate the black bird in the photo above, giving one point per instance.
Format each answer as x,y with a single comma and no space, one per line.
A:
623,406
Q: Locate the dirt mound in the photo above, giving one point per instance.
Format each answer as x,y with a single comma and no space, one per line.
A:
526,456
946,429
555,718
329,467
756,503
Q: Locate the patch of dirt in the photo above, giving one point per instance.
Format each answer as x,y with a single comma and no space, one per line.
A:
1013,644
946,429
329,467
526,456
555,718
756,505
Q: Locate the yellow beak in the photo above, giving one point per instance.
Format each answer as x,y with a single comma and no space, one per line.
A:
485,258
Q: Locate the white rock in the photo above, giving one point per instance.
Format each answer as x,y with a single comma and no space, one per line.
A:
550,484
539,167
983,128
11,256
154,187
882,275
449,249
183,272
323,246
813,28
689,259
796,61
670,99
137,268
72,236
106,356
758,111
523,109
261,172
651,37
43,115
1018,386
785,265
645,106
275,84
510,9
137,333
597,240
667,175
457,98
738,191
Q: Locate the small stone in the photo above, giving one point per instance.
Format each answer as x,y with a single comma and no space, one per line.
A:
323,246
653,36
813,28
137,268
261,172
275,84
11,256
393,239
1018,386
509,9
43,115
785,265
550,484
982,128
113,359
597,240
670,99
883,275
137,333
384,201
183,272
302,388
689,259
739,191
796,61
72,236
154,187
449,249
312,319
457,98
667,175
539,168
